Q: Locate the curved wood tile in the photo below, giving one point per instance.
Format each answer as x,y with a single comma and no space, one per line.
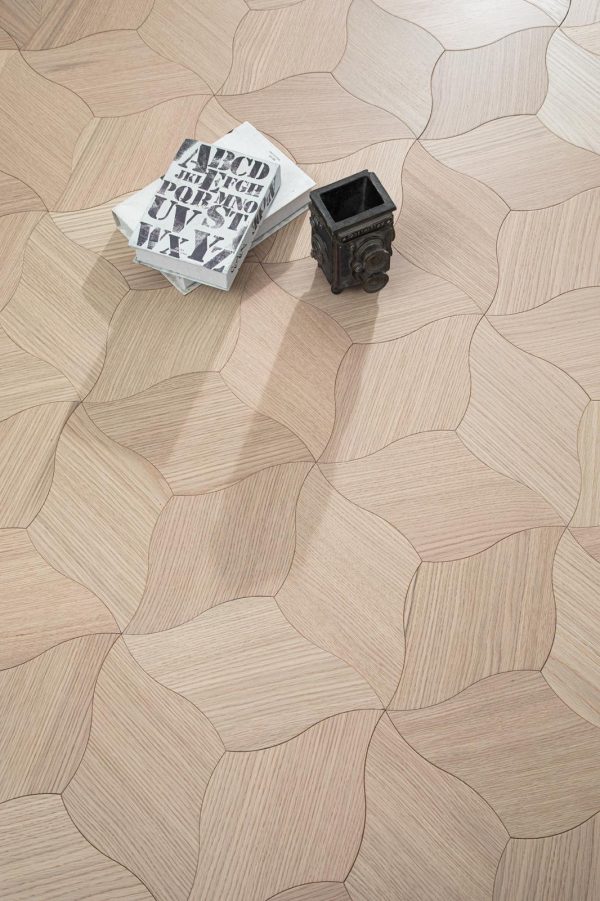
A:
438,839
445,500
197,37
412,298
589,539
573,667
556,9
387,391
197,433
587,36
96,230
45,709
499,735
570,109
583,12
315,891
506,78
564,867
315,117
544,253
15,229
116,73
378,42
255,677
523,417
588,509
233,543
41,851
289,800
26,381
158,335
478,616
138,791
6,41
346,587
565,331
96,523
214,121
124,153
64,300
520,159
27,449
461,24
67,21
455,240
39,607
17,197
31,105
266,48
286,359
386,159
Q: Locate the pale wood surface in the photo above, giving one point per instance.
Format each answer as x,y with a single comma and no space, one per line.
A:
505,78
352,541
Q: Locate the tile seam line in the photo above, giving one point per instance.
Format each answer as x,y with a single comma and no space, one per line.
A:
42,403
127,634
168,59
80,247
508,841
461,134
90,402
462,691
473,178
92,34
405,623
408,137
106,345
452,775
573,711
491,316
199,828
304,884
56,84
29,188
234,38
365,801
335,401
468,404
541,838
52,647
103,853
441,278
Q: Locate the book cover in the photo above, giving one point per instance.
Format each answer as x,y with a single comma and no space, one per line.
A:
201,220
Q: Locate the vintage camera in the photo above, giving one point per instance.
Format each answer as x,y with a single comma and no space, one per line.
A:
352,231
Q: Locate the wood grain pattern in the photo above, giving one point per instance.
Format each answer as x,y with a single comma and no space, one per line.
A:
29,104
100,537
460,24
570,109
346,587
455,240
27,447
198,37
233,543
534,168
499,735
505,78
116,73
410,827
42,854
412,298
583,12
339,124
45,710
523,417
160,334
387,391
26,381
197,433
74,293
405,51
588,508
446,502
573,667
15,229
588,538
536,264
565,331
67,21
254,676
39,607
130,151
275,31
471,618
127,776
293,352
316,891
285,791
16,196
563,867
587,36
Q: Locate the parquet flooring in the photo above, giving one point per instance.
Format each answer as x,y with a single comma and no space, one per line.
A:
300,593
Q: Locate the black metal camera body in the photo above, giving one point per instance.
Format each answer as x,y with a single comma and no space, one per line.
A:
352,222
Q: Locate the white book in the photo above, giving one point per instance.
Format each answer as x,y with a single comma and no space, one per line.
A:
290,201
203,217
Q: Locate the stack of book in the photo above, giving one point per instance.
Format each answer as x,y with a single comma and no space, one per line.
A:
198,221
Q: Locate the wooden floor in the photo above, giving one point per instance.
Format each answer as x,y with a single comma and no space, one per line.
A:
300,593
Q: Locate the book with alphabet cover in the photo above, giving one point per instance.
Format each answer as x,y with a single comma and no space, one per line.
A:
202,218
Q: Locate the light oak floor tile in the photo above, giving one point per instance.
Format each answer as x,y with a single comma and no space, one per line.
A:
299,591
